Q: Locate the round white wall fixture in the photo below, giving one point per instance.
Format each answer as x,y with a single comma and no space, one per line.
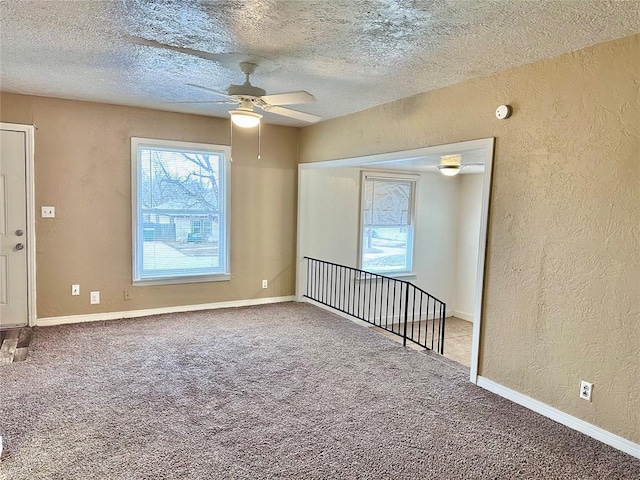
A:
503,111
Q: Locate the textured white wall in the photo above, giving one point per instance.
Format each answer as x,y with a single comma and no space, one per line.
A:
467,242
435,237
329,216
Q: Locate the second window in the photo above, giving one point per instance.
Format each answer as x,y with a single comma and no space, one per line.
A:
387,219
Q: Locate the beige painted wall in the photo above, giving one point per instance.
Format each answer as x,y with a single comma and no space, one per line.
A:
82,167
562,297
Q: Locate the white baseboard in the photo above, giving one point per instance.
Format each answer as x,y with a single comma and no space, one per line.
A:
95,317
357,321
559,416
463,315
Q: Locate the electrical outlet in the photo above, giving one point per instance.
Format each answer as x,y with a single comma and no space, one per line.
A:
265,284
95,298
128,295
585,390
75,289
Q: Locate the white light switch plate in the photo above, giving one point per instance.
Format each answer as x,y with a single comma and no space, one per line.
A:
48,212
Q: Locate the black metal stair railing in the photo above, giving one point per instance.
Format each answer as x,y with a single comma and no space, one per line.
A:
391,304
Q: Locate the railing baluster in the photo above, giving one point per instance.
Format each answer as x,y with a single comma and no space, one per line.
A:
332,290
406,313
386,313
433,325
393,305
309,287
375,300
342,293
420,319
443,317
325,283
413,314
351,284
369,309
380,302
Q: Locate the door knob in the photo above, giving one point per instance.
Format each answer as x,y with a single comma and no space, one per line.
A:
19,246
19,233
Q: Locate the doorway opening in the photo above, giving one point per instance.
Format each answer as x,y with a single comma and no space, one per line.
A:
442,243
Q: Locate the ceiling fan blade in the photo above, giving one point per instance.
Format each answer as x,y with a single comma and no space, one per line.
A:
287,112
216,57
289,98
217,102
209,90
227,60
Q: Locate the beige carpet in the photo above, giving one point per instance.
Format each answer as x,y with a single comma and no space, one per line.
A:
280,391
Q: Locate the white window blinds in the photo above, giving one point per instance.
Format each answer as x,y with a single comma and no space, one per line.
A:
387,223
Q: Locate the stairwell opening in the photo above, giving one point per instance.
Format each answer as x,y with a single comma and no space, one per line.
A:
449,237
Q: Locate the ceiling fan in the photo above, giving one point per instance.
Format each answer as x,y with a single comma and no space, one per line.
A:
450,165
246,96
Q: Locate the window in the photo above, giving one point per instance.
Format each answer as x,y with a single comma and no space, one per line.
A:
180,211
387,223
202,227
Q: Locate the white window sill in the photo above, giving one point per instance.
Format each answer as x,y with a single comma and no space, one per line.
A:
178,280
404,276
399,275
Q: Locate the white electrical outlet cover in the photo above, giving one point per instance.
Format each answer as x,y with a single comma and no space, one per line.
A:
586,389
95,298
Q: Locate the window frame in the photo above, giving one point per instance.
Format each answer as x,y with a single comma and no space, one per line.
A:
411,217
225,152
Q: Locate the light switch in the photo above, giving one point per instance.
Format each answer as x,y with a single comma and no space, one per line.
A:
48,212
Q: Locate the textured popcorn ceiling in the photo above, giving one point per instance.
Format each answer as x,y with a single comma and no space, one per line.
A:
351,54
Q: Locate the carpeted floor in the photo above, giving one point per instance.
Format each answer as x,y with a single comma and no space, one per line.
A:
278,391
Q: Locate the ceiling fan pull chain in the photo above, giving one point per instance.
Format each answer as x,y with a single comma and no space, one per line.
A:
259,137
231,140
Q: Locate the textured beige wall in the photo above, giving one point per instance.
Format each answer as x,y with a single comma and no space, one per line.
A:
82,167
563,276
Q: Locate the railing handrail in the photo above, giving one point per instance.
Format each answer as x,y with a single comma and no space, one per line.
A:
406,282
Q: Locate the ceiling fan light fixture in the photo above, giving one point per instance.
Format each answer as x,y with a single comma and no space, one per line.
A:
449,170
244,118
